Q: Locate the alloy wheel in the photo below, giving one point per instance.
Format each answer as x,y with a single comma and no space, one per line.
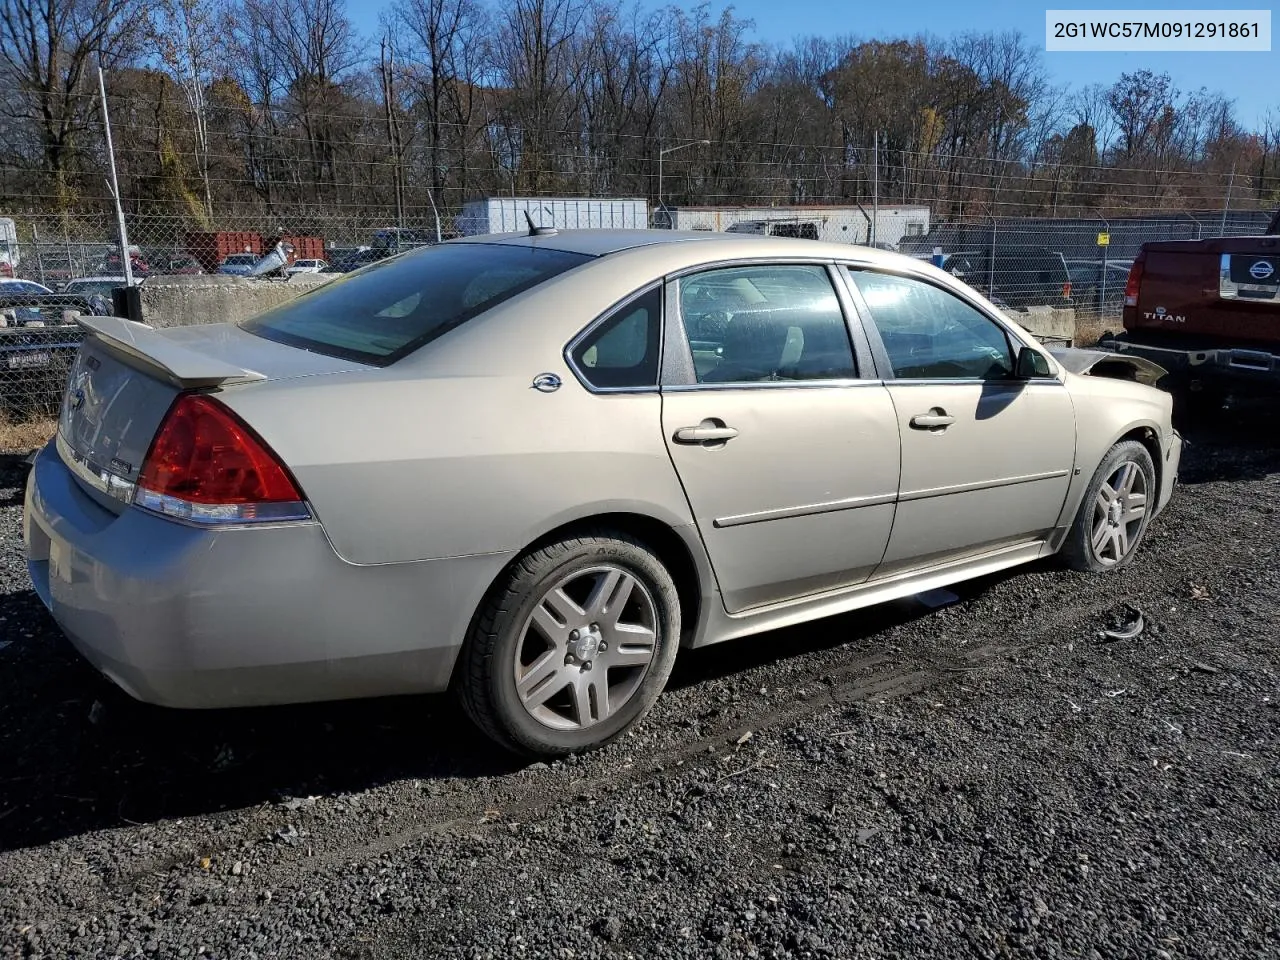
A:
585,649
1119,511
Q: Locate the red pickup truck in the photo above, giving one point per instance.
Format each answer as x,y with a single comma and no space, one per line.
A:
1208,311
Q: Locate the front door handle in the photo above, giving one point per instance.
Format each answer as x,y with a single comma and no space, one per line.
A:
708,431
935,419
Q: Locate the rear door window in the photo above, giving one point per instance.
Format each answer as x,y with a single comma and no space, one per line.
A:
394,306
765,323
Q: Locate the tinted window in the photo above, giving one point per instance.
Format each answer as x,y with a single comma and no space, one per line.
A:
765,323
623,350
394,306
932,334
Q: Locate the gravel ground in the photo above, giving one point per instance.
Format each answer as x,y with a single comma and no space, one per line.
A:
987,779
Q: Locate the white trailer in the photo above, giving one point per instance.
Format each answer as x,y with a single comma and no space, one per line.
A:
507,214
8,247
839,224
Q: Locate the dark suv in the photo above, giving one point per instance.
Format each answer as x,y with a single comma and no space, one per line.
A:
1014,276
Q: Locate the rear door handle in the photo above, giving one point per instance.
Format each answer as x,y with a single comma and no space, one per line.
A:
709,431
934,420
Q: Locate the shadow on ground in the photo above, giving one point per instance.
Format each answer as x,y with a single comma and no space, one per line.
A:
77,754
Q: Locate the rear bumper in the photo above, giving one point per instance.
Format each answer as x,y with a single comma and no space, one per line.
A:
188,617
1251,369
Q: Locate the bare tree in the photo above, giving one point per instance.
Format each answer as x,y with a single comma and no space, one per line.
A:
187,38
48,49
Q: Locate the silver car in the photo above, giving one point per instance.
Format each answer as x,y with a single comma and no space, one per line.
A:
531,468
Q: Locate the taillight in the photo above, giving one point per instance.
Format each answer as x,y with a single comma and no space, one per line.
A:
1133,283
1066,290
206,465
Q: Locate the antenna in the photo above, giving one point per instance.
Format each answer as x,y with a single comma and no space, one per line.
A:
536,231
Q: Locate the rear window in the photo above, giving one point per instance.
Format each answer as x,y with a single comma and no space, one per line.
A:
391,308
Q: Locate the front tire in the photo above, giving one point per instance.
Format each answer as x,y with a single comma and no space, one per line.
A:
572,646
1115,512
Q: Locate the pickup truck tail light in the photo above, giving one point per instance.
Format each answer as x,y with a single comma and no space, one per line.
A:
1134,282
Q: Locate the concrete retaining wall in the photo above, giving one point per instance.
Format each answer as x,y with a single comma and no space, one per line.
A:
181,301
1046,321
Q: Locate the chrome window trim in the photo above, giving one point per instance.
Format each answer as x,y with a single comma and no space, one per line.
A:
774,385
974,381
603,317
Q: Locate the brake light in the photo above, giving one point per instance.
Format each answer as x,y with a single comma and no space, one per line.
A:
1066,290
1133,283
207,465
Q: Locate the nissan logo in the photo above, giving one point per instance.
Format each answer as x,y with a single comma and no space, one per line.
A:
1261,270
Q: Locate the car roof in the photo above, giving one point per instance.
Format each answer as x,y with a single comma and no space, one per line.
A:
97,279
707,243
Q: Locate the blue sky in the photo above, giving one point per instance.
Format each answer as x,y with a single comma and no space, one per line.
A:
1251,79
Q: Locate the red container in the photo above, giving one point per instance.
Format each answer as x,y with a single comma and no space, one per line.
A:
212,248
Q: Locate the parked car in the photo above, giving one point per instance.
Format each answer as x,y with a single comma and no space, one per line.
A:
180,266
1088,290
91,285
46,309
581,491
1207,311
354,261
10,287
306,266
1015,276
239,264
113,264
803,229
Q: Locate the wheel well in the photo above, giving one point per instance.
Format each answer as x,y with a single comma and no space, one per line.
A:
660,538
1147,437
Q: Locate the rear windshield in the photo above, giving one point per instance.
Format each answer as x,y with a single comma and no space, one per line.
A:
381,313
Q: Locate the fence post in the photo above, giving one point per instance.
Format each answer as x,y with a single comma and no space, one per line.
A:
991,260
115,185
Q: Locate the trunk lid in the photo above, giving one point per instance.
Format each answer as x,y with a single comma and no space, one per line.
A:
126,375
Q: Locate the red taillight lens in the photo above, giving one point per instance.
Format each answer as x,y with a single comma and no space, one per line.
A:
1133,283
205,464
1066,290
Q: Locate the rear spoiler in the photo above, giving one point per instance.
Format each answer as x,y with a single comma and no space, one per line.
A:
142,346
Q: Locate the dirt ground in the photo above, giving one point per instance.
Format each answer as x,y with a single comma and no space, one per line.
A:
991,778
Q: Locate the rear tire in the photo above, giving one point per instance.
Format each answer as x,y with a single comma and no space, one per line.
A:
1115,512
572,646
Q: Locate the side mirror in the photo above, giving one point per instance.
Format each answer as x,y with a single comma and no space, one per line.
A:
1030,364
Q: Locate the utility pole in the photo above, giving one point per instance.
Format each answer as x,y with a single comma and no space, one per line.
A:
114,183
387,64
875,188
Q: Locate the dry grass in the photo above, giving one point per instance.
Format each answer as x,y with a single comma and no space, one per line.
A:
1089,329
24,437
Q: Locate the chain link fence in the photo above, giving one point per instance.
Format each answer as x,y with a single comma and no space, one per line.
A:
1019,263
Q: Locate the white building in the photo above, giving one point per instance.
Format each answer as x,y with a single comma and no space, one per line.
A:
840,224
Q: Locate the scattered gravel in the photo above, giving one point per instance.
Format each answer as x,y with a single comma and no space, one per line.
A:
994,777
